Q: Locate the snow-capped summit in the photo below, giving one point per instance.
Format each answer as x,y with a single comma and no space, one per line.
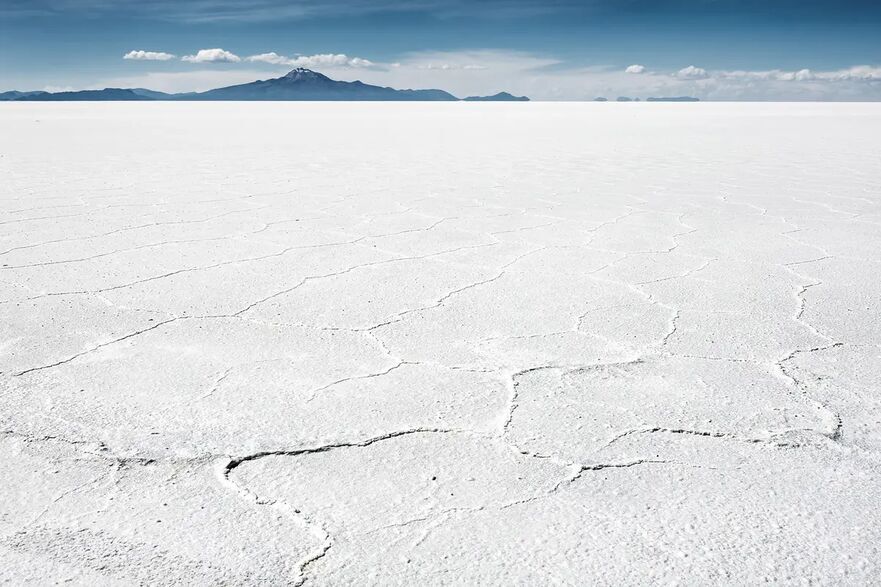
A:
303,74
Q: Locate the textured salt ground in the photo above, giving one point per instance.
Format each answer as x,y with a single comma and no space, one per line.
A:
457,343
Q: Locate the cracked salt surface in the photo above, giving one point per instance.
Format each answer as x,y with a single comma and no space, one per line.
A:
440,343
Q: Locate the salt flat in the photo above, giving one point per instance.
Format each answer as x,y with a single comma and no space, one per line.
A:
440,343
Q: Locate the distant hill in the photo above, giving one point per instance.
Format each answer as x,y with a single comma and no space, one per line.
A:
13,95
105,95
299,84
500,97
153,94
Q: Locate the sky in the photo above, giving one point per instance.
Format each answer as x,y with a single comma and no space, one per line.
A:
546,49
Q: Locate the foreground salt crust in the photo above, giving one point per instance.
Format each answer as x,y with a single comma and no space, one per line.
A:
440,343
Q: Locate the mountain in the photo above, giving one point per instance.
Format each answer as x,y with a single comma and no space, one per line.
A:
105,95
13,95
500,97
299,84
305,84
153,94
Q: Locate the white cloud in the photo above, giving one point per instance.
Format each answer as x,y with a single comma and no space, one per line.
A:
54,89
451,66
769,75
148,55
272,57
212,56
855,73
803,75
321,60
859,82
635,69
692,72
359,62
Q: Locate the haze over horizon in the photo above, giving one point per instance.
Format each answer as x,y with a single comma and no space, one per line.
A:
551,50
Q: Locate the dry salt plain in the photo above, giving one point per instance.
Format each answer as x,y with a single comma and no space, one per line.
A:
440,343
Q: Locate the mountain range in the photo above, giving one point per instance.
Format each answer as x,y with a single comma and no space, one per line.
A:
298,84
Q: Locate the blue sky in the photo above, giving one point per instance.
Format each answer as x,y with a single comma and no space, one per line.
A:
550,49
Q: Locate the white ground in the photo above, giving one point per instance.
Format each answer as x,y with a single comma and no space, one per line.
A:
440,343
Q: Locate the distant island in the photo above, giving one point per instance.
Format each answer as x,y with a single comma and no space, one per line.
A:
299,84
674,99
500,97
652,99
